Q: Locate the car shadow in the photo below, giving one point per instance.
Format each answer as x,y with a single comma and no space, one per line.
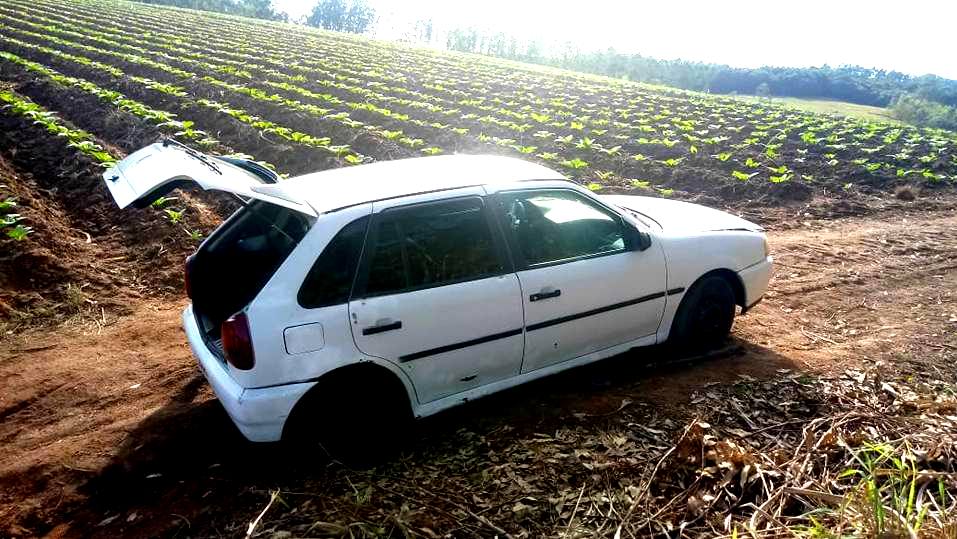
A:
188,459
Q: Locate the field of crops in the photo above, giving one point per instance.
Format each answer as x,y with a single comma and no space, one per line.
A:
302,100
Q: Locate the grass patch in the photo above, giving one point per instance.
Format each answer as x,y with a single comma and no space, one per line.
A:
826,106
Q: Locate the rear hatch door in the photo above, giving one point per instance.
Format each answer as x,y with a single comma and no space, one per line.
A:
157,169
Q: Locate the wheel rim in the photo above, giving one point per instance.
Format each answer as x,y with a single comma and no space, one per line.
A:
711,318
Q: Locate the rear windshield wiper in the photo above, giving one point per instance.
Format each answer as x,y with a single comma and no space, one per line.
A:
201,157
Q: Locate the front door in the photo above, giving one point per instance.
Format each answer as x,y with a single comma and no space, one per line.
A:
436,295
583,288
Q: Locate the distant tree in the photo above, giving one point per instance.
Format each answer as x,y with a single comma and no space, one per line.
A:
355,16
918,110
260,9
423,30
463,39
533,52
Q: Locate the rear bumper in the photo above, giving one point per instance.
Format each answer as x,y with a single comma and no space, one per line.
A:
260,414
755,279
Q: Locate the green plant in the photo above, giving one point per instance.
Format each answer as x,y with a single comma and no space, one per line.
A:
575,164
174,216
673,162
161,201
194,235
742,176
886,493
585,143
19,232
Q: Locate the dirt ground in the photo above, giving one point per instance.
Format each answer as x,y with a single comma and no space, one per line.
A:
109,429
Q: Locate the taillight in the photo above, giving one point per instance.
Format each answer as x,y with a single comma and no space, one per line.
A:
237,343
186,283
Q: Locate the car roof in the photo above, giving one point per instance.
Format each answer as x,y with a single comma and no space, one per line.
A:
347,186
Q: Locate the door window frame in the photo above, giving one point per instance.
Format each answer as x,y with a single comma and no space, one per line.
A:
498,208
499,248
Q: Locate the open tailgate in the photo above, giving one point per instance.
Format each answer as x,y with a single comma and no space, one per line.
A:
157,169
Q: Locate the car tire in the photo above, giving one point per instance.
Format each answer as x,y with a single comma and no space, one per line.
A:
359,423
705,316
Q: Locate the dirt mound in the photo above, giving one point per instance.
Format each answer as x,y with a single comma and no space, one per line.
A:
84,255
52,272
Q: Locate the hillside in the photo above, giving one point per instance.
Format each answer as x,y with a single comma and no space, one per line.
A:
304,100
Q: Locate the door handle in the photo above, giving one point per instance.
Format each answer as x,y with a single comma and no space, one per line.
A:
545,295
381,328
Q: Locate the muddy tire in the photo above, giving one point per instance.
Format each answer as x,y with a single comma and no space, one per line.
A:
705,316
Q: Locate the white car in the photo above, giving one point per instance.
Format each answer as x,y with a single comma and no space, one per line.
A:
357,297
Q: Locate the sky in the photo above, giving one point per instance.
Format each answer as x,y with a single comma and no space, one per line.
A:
916,37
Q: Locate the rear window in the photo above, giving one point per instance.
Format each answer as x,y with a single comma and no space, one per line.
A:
329,282
235,263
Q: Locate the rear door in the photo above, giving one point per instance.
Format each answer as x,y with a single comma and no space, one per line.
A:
157,169
437,296
583,288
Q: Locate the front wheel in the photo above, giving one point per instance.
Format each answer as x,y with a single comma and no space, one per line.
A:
705,316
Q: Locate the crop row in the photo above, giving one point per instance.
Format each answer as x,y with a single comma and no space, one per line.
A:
179,128
181,41
265,126
217,114
609,130
18,105
207,46
667,161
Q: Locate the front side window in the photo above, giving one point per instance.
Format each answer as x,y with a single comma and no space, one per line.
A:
431,245
553,225
329,282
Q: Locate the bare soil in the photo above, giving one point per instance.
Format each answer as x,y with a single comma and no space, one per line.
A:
109,429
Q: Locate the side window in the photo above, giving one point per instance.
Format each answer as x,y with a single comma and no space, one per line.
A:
329,282
431,245
552,225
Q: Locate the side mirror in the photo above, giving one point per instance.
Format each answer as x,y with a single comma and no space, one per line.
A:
636,240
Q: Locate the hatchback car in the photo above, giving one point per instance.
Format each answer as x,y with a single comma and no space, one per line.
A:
358,297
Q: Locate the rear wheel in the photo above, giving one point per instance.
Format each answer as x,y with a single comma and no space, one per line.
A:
705,316
359,420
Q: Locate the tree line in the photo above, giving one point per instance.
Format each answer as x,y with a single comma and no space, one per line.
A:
260,9
926,100
354,16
